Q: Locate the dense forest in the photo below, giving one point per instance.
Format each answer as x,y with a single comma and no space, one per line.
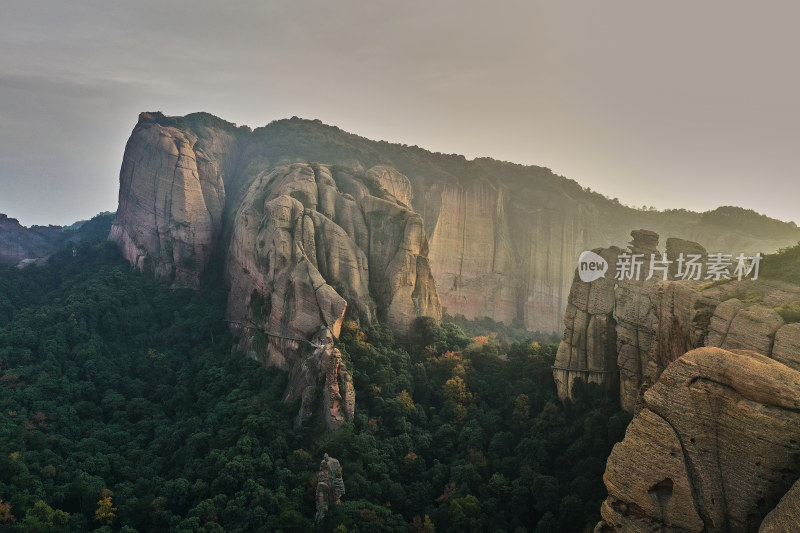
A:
124,408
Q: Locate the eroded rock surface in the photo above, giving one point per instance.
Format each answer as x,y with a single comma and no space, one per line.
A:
330,487
654,322
714,448
323,369
308,242
171,198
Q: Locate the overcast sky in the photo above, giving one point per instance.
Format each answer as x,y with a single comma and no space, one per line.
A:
672,104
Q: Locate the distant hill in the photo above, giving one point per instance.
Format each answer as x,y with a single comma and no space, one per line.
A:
19,243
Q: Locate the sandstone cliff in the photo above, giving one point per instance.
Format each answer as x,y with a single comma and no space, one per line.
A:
309,241
626,332
171,197
300,244
711,371
714,447
502,237
385,231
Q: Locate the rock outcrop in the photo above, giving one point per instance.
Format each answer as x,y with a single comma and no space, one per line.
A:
786,515
324,370
171,197
385,231
330,487
653,322
310,241
711,372
714,447
502,237
301,244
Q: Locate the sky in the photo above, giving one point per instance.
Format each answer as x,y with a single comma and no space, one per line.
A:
678,104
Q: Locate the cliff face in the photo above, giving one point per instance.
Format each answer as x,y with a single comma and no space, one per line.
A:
502,238
711,372
714,447
171,198
310,241
384,231
626,332
301,244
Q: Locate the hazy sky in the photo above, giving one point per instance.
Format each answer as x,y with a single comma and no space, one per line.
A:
673,103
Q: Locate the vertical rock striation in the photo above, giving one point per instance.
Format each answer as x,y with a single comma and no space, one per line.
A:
654,322
171,198
330,487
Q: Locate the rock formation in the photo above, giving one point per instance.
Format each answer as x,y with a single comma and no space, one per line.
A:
25,246
301,244
502,237
310,241
653,322
383,231
330,487
786,515
714,447
324,369
711,372
171,198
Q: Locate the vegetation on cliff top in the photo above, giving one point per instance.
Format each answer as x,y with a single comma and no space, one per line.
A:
783,265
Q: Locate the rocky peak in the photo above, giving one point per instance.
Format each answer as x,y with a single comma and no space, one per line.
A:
644,242
330,487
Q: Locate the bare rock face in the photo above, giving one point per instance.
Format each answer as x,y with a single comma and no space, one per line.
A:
307,242
654,322
715,446
330,487
498,253
786,515
171,198
502,237
301,244
589,348
324,366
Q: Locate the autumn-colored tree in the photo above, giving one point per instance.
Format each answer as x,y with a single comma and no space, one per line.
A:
405,400
5,513
409,461
106,512
421,525
455,390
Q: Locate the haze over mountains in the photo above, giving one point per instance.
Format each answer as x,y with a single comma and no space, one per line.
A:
502,237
